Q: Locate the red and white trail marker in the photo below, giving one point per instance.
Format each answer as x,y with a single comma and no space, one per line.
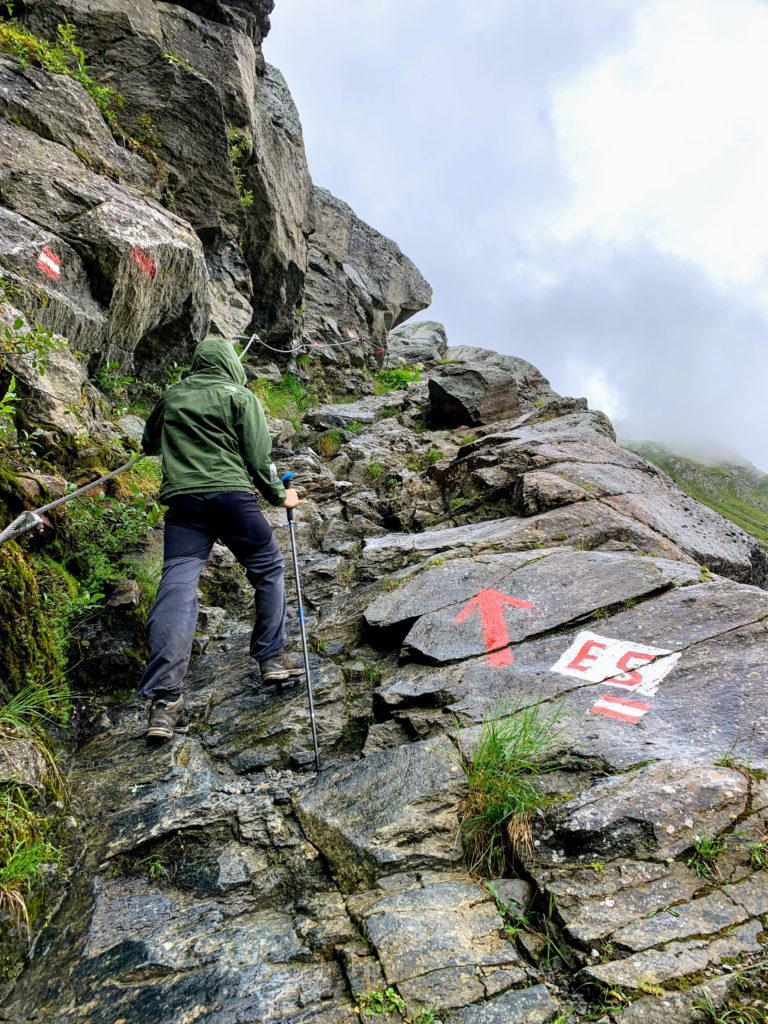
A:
623,710
490,607
637,669
49,263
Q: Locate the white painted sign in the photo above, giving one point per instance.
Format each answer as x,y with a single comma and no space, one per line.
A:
635,668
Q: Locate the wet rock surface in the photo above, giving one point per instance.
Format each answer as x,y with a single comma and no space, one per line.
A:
471,545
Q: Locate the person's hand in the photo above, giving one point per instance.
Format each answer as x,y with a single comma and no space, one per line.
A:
291,498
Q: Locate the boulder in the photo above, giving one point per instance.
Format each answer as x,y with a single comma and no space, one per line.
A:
392,811
422,341
478,386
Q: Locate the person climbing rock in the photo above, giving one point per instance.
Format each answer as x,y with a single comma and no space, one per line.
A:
212,435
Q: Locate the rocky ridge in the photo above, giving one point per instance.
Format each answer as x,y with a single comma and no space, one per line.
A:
472,545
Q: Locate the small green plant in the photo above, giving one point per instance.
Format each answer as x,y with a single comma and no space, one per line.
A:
513,747
304,360
155,866
729,760
240,148
393,584
372,674
177,60
469,439
705,575
739,1014
62,57
34,341
396,380
116,386
381,1001
327,444
7,412
758,854
706,850
284,400
375,470
355,427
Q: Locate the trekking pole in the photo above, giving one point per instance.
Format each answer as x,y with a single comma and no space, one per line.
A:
286,478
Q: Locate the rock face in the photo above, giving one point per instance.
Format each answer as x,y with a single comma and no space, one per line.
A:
359,284
473,547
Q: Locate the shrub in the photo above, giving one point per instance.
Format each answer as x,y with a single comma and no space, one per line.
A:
512,748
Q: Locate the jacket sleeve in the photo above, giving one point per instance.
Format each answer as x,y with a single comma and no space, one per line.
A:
256,449
153,430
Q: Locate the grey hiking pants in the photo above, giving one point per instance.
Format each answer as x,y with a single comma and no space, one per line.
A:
192,524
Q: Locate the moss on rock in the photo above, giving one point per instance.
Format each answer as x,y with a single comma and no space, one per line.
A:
30,648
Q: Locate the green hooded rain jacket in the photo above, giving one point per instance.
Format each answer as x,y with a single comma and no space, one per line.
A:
211,430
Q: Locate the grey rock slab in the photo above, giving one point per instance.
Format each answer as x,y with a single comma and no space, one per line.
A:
678,959
588,524
594,902
251,726
532,1005
678,1007
420,341
751,893
149,263
707,915
392,811
562,586
141,797
652,811
441,943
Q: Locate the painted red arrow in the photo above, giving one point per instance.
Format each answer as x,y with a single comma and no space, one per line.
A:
490,603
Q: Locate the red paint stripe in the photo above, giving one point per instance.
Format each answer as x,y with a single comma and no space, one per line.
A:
144,261
632,719
626,703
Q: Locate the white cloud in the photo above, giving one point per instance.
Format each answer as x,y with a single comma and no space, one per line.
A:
665,139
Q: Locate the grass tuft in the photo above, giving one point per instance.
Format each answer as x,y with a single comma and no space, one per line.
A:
513,747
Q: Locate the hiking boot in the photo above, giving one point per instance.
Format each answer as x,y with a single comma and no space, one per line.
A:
282,666
165,718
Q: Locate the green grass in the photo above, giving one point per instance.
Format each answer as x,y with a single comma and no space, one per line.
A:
734,1015
706,850
737,492
285,400
513,747
387,381
327,444
375,470
758,854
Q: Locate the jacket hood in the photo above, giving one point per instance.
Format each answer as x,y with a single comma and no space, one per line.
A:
217,355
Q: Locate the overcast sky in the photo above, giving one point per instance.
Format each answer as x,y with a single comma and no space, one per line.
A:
583,182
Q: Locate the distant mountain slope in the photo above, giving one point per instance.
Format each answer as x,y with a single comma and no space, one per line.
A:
736,489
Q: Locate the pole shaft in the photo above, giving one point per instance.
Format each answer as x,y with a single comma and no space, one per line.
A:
294,553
